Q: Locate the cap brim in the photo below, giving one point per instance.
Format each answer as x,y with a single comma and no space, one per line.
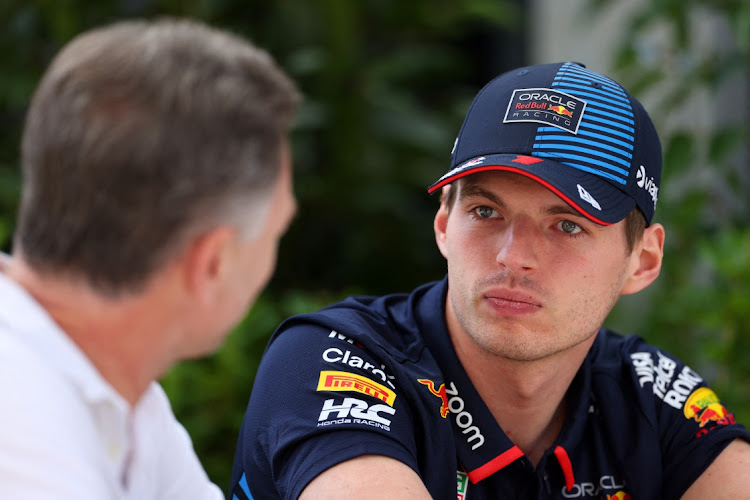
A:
590,195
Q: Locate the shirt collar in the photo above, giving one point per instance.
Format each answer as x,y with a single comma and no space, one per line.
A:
25,319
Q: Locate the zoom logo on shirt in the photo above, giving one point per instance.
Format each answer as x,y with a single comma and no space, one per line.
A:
463,418
355,411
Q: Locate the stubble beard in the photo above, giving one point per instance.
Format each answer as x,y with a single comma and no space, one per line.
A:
526,339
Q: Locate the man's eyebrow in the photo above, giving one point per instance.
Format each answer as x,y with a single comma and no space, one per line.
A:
562,209
472,190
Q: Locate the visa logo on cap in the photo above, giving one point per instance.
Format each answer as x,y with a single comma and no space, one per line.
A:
647,183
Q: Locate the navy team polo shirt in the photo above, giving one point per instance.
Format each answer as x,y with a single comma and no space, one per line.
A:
380,376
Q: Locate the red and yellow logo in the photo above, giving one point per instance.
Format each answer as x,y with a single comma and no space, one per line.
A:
704,406
345,381
620,495
561,110
439,392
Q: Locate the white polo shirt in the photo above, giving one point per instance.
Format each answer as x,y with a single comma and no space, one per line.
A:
65,433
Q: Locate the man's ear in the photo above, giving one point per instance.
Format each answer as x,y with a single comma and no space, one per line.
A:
205,261
441,222
646,260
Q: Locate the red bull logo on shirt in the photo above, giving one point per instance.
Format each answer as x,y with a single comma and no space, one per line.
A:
439,392
620,495
704,407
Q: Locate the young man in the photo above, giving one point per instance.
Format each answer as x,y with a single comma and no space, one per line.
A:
157,183
501,371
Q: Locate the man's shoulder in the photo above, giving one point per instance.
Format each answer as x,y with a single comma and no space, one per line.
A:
340,383
44,410
24,370
630,375
632,362
613,352
387,323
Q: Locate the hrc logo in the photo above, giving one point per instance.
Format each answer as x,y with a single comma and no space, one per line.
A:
349,382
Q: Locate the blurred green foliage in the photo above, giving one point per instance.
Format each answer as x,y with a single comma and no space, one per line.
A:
386,86
693,59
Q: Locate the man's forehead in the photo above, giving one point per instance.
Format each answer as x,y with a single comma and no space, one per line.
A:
498,182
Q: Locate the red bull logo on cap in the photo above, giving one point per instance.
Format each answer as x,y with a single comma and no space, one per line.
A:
561,110
439,392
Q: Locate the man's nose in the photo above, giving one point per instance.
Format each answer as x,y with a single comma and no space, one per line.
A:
519,246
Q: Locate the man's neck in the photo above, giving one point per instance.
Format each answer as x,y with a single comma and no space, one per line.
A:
119,336
530,401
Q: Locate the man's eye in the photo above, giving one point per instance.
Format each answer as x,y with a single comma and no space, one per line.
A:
569,227
484,212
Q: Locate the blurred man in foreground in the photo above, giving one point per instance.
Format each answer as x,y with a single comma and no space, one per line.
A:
157,182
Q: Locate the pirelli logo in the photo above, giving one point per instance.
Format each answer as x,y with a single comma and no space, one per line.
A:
349,382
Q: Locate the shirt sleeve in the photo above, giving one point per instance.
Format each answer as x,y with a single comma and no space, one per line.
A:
319,398
693,424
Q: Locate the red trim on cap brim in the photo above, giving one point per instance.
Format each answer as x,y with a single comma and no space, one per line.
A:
541,181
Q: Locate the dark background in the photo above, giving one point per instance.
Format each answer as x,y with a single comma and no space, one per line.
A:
386,86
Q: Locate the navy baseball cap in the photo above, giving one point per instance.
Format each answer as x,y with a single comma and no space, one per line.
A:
578,133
